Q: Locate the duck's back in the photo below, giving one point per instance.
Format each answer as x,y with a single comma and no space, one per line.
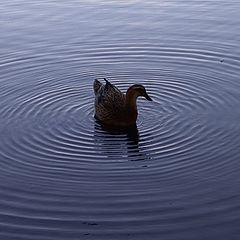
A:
109,102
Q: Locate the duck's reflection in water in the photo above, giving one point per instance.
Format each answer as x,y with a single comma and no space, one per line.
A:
119,145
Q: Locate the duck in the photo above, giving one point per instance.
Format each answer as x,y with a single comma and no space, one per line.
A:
114,108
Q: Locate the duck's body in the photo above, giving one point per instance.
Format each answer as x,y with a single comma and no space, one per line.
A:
114,108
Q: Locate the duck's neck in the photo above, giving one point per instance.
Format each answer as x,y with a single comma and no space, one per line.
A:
131,101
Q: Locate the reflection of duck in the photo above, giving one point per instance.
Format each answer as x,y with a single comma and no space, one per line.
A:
118,144
114,108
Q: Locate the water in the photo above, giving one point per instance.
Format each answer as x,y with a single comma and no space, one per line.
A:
63,176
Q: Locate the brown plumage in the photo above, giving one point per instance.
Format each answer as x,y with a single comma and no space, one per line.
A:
114,108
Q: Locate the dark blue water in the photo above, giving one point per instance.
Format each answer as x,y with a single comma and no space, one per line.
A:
62,176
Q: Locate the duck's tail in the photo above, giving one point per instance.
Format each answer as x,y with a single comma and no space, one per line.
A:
96,86
107,82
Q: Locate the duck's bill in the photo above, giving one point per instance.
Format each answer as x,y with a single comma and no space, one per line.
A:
147,97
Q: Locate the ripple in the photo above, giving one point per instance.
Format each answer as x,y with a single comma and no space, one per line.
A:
59,114
74,175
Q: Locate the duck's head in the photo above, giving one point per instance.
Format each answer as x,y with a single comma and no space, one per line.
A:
137,90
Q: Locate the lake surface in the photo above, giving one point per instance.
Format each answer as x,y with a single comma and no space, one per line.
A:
62,176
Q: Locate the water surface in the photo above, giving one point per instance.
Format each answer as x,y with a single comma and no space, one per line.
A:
63,176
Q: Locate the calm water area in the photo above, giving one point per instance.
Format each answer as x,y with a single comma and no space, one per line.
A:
64,177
